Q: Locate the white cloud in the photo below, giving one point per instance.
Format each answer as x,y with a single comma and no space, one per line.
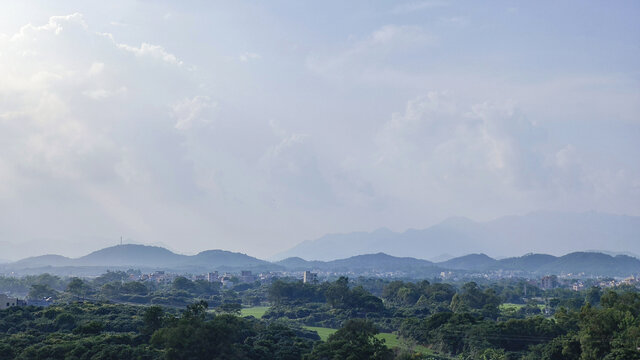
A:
99,94
459,21
155,51
293,171
191,111
56,25
375,54
248,56
79,127
163,139
447,151
470,143
96,68
393,34
412,6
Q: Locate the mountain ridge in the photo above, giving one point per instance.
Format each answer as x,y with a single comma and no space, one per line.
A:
147,256
508,236
153,257
587,263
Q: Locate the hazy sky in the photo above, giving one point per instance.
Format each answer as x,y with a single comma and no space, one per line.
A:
251,126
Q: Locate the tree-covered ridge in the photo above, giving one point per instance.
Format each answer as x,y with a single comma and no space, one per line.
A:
149,257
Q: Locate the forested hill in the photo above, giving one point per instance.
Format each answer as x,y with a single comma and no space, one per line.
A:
379,262
158,258
469,262
129,254
589,263
148,257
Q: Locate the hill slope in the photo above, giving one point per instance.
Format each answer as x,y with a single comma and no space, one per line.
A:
130,254
44,260
368,263
469,262
226,259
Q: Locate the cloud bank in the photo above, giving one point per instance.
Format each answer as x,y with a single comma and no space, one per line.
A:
107,131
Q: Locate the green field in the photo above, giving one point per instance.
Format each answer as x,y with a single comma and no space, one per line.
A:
391,340
510,306
516,307
322,331
256,311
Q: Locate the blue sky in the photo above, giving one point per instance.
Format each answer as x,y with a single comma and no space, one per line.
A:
252,126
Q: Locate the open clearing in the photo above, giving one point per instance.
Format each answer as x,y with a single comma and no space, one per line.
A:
391,340
256,311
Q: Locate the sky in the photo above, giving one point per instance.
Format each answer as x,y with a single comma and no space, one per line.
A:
252,126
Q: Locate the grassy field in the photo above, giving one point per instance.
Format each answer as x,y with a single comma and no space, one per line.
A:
391,340
256,311
516,307
510,306
322,332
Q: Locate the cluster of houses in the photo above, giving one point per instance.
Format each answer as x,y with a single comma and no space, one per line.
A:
609,283
8,301
552,282
227,280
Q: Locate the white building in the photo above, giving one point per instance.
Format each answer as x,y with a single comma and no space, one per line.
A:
246,276
6,301
309,277
213,277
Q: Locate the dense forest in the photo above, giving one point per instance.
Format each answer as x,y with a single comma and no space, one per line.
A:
109,317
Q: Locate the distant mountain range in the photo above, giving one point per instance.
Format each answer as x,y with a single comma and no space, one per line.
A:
537,232
585,263
589,263
148,258
379,262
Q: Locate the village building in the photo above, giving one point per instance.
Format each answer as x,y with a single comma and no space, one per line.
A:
309,277
7,302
